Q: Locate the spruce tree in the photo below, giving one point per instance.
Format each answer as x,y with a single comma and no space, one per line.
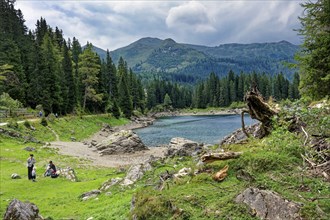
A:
314,58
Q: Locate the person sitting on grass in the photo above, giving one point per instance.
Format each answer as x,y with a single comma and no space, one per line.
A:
51,170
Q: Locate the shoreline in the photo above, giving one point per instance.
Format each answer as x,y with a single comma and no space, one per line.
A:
210,112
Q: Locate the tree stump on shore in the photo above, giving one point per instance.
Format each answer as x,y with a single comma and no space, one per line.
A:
258,109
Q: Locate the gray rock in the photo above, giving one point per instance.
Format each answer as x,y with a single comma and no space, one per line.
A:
15,176
67,173
105,186
18,210
29,149
124,141
89,195
269,205
183,147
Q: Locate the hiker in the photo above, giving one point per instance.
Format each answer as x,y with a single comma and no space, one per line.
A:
51,170
34,174
40,114
30,164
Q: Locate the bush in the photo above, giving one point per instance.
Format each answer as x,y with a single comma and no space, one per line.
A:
27,124
44,121
51,117
12,124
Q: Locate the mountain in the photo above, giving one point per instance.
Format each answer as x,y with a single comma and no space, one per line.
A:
188,63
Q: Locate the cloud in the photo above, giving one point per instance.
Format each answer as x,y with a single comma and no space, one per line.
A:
191,16
113,24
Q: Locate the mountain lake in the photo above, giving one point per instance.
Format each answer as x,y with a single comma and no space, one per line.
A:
208,129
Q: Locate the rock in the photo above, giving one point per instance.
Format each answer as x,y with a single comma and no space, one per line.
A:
15,176
134,173
238,135
105,186
22,211
183,172
68,173
269,205
29,149
183,147
89,195
124,141
73,139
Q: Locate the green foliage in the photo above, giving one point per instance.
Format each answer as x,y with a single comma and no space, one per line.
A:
314,58
27,124
6,102
189,63
44,122
12,124
88,69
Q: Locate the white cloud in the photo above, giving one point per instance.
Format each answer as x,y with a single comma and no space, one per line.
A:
191,17
113,24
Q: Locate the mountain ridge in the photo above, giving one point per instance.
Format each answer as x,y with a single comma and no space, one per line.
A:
188,62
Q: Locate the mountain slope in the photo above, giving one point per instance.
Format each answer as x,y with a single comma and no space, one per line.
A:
188,63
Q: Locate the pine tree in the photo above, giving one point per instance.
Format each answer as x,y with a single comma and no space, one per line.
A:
88,69
69,90
314,59
124,96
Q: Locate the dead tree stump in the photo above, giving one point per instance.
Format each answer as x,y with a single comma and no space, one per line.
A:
260,110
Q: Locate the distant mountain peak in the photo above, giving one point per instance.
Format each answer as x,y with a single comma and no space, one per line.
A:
171,60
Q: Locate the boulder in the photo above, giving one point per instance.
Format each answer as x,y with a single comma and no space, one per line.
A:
105,186
135,173
22,211
183,147
238,135
89,195
15,176
29,149
68,173
269,205
124,141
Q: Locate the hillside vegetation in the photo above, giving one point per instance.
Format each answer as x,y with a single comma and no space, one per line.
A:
173,60
274,163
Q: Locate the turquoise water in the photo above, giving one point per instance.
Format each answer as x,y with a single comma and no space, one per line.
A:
203,129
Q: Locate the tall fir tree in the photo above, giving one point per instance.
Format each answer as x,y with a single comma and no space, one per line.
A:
314,58
89,69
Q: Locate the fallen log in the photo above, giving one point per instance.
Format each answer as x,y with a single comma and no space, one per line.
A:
221,174
209,158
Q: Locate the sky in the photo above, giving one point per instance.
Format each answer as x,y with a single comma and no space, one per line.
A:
112,24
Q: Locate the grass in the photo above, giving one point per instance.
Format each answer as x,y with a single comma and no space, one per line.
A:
274,163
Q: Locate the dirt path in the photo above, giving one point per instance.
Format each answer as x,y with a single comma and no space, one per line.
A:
81,150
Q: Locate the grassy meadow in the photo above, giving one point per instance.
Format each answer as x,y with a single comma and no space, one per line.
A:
274,163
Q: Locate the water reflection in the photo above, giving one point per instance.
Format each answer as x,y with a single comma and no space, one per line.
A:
208,129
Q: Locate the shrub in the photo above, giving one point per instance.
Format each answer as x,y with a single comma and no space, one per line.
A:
12,124
27,124
44,121
51,117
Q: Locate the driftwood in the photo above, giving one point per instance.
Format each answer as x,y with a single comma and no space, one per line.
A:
260,110
221,174
209,158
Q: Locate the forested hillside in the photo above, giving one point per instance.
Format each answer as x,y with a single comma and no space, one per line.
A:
42,70
189,63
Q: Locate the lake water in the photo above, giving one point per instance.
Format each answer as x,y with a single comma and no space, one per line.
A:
209,129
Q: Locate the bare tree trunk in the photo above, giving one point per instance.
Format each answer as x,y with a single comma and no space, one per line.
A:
243,124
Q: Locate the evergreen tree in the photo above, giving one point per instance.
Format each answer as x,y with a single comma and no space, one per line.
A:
69,90
167,101
124,96
88,69
314,59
